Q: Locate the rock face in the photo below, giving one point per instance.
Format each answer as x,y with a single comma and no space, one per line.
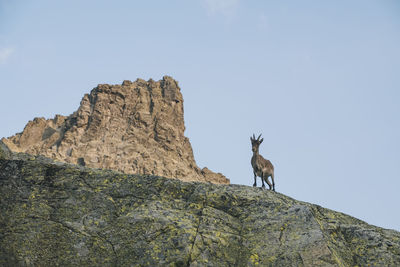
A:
137,127
57,214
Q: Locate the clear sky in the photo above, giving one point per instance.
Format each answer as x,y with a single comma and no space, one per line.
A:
319,79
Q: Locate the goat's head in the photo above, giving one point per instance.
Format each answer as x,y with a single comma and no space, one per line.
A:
255,143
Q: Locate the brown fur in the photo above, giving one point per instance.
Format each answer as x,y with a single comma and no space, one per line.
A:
261,166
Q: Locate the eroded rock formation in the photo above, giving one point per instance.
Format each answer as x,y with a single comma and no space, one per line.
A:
137,127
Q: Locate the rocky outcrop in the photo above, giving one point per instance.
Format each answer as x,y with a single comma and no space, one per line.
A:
57,214
137,127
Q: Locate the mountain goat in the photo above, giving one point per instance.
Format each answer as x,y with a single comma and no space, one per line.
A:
261,167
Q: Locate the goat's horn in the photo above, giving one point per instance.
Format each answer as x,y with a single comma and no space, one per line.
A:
258,138
254,137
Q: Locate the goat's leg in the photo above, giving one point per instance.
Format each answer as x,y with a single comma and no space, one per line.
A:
255,179
273,182
268,182
262,180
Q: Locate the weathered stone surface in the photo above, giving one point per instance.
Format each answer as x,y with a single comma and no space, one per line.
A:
137,127
4,151
57,214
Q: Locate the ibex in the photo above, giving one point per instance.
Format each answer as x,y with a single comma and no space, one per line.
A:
261,167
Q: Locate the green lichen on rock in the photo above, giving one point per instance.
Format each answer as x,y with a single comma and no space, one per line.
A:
4,151
58,214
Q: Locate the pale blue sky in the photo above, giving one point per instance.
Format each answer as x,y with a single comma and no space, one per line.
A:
319,79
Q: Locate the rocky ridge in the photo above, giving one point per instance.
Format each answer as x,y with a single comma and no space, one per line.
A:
59,214
137,127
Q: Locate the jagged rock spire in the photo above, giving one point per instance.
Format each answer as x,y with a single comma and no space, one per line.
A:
136,127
